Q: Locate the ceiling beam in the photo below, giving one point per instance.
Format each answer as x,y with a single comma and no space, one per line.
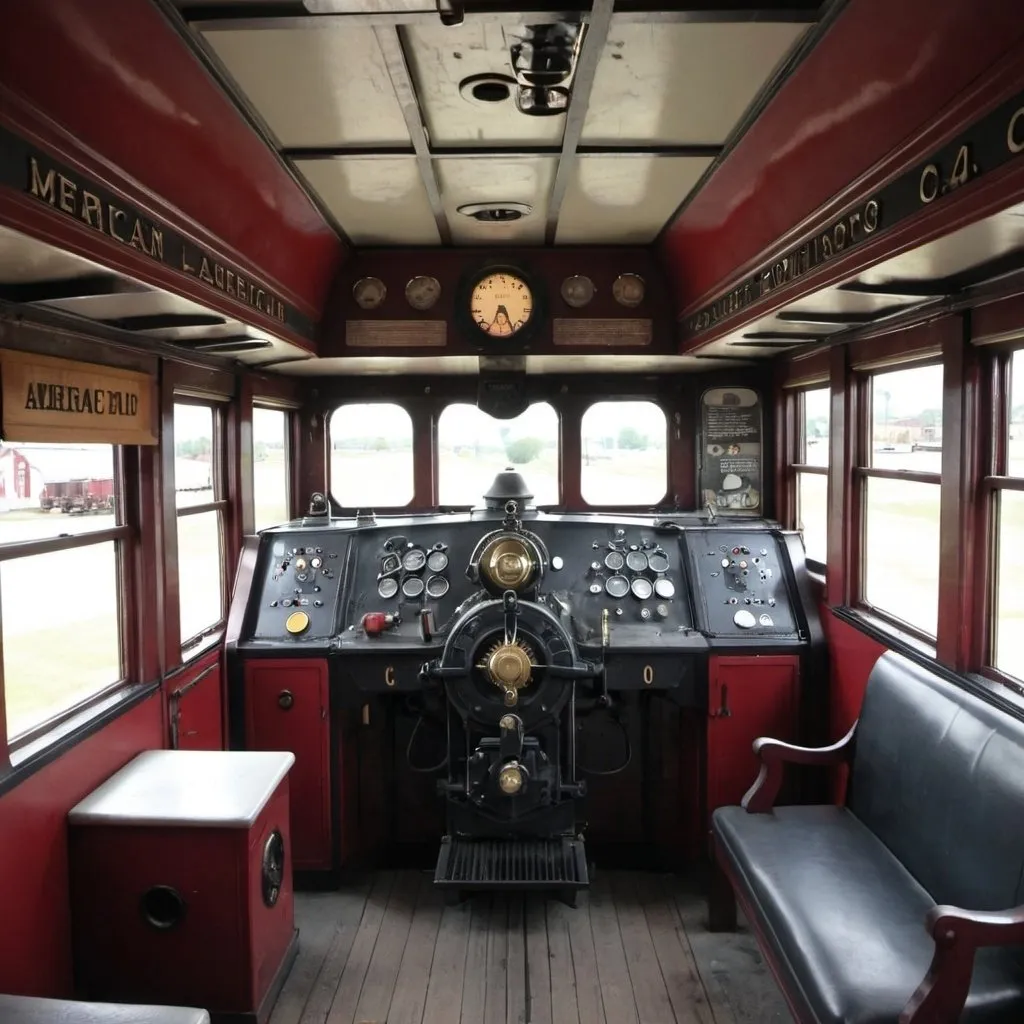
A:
595,37
908,289
389,40
797,316
163,321
70,288
494,152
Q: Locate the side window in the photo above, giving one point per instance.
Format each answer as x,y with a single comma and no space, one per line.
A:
371,456
625,454
812,471
270,466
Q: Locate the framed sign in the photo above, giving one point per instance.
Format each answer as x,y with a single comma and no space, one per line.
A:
49,399
730,456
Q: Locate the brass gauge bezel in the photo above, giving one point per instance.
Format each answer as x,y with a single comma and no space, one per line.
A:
429,298
580,300
369,292
629,290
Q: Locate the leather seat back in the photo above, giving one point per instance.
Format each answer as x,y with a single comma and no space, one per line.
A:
938,776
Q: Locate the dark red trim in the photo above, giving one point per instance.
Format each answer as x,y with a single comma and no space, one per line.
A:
807,371
1001,321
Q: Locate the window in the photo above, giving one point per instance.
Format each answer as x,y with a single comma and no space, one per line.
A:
625,454
61,597
1008,641
811,471
371,456
270,467
474,447
199,498
900,476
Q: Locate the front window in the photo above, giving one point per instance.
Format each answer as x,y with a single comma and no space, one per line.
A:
371,455
625,454
474,447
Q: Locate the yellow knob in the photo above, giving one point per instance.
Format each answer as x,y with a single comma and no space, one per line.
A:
297,622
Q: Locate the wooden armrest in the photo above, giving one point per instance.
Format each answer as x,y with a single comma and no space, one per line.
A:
958,934
774,754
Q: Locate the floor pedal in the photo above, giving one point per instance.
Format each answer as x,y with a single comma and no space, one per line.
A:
511,864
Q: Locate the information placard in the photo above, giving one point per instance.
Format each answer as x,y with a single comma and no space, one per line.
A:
730,456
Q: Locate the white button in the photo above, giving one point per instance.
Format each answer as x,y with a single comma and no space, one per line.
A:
744,619
557,563
766,620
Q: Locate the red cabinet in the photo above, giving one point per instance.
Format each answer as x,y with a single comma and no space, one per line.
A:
287,708
748,696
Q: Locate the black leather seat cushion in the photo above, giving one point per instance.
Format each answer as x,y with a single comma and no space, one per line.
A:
30,1010
846,920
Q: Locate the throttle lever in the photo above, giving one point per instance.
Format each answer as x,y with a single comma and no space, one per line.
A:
511,604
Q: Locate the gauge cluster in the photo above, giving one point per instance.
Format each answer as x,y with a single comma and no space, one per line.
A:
409,570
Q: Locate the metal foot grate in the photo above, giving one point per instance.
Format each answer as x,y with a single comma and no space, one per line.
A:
511,864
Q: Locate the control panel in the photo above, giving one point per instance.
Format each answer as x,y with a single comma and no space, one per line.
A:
740,584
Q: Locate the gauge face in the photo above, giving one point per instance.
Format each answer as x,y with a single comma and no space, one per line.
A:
617,586
414,560
437,561
390,563
577,291
412,587
437,586
422,292
658,562
637,561
369,292
628,290
387,587
501,304
614,560
664,587
642,588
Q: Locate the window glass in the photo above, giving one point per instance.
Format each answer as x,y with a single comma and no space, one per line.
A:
901,558
50,489
371,456
200,572
625,454
269,466
61,631
812,499
193,455
815,427
1009,637
474,447
906,427
1015,447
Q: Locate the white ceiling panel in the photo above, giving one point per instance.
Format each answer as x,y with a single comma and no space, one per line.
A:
440,58
681,84
381,366
24,260
315,87
624,200
838,300
483,180
376,201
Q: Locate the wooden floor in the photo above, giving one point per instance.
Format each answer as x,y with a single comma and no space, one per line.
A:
635,949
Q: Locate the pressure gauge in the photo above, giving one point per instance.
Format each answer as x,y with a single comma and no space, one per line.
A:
414,560
577,290
387,587
437,561
369,292
628,290
423,292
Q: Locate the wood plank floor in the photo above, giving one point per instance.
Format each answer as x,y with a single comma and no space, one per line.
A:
634,951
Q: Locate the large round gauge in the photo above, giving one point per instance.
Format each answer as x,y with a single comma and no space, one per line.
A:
617,586
501,304
387,587
637,561
628,290
423,292
507,563
414,560
577,291
614,560
369,292
412,587
437,561
641,588
437,586
658,562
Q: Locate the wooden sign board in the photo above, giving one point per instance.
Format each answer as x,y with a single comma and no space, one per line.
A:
48,399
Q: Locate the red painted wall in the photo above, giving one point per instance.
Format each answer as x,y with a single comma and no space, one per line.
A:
125,85
880,75
35,940
852,655
200,709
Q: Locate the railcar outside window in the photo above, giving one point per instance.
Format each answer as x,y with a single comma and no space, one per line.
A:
625,454
900,474
201,507
1008,641
811,472
61,540
371,455
474,446
270,458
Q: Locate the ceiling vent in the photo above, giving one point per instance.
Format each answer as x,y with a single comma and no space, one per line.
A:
487,89
495,213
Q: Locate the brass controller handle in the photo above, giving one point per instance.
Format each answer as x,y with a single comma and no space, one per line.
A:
285,700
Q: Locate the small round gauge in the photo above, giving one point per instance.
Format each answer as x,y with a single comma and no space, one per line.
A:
614,560
414,560
390,563
642,588
369,292
422,292
437,586
387,587
637,561
628,290
664,587
577,290
437,561
658,562
617,586
412,587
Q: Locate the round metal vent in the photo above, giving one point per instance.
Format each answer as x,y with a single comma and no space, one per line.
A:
487,88
495,213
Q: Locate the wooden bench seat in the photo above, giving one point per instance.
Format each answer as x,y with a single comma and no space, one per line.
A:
906,904
32,1010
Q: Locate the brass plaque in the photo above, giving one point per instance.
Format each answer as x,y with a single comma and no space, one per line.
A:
603,333
396,333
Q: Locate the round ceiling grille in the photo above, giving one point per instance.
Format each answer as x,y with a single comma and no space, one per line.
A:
495,213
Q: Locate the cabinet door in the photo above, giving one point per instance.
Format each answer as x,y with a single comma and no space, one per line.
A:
748,697
287,709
